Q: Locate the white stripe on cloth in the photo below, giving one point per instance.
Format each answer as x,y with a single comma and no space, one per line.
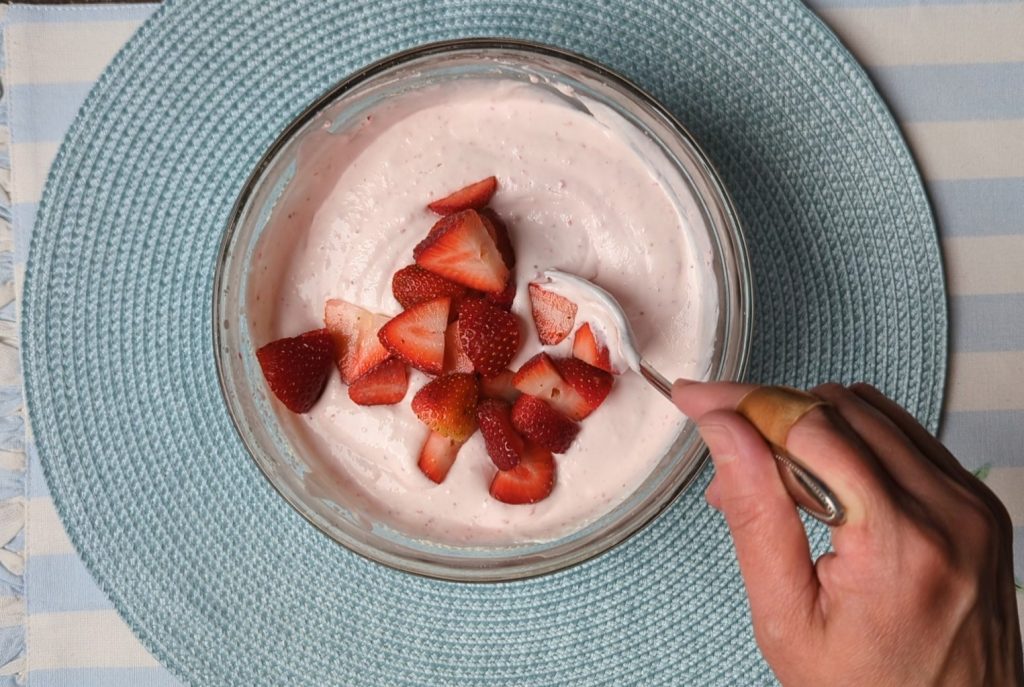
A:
83,639
986,149
986,381
63,53
931,34
981,265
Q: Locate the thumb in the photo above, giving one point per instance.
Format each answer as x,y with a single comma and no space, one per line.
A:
770,542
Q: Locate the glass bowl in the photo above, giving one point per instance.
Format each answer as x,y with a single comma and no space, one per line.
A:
690,174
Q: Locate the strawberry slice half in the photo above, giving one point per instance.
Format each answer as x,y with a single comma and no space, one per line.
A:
437,456
554,315
499,387
447,405
540,377
296,368
356,346
413,285
416,335
498,231
543,425
463,252
455,359
530,481
504,445
474,196
588,348
592,384
383,385
488,334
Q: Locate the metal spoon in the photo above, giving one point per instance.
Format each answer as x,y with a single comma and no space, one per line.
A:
808,490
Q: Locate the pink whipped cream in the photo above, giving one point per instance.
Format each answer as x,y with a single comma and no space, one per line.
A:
579,193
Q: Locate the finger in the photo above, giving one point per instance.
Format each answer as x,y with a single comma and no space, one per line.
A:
697,398
712,495
934,450
829,448
903,460
931,447
770,542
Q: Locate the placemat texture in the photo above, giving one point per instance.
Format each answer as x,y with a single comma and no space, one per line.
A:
801,140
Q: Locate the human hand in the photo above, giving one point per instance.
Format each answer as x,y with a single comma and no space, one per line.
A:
918,589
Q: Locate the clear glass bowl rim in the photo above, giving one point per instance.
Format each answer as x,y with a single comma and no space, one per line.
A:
739,345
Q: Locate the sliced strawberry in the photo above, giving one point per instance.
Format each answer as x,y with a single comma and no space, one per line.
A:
554,315
506,297
587,347
455,359
504,445
474,196
356,346
440,226
539,377
383,385
543,425
437,456
499,387
296,368
530,481
463,252
591,383
448,405
488,334
413,285
498,231
417,335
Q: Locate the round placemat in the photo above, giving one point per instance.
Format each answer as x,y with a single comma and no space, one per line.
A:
221,580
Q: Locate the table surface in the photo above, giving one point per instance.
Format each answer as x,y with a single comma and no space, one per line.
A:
952,71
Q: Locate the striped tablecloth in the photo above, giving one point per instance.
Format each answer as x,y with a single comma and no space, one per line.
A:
952,71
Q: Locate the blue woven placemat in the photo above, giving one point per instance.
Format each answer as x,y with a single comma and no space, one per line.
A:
221,580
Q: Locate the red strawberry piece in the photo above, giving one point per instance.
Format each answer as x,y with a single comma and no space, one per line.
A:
383,385
356,346
587,347
474,196
296,368
437,456
540,377
530,481
504,445
498,231
416,335
507,296
591,383
455,359
554,315
413,285
463,252
499,387
440,226
448,405
488,334
543,425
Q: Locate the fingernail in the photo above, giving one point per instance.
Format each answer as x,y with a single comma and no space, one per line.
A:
720,442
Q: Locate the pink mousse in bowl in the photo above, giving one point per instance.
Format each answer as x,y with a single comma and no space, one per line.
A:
593,178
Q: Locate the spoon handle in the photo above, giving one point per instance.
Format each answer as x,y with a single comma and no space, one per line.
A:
808,490
656,379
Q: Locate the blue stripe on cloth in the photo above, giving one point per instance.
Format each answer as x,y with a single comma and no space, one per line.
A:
54,106
931,93
23,214
978,207
103,677
981,323
67,582
984,437
36,486
71,14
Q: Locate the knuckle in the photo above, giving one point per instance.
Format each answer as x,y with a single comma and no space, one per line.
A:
745,512
865,388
